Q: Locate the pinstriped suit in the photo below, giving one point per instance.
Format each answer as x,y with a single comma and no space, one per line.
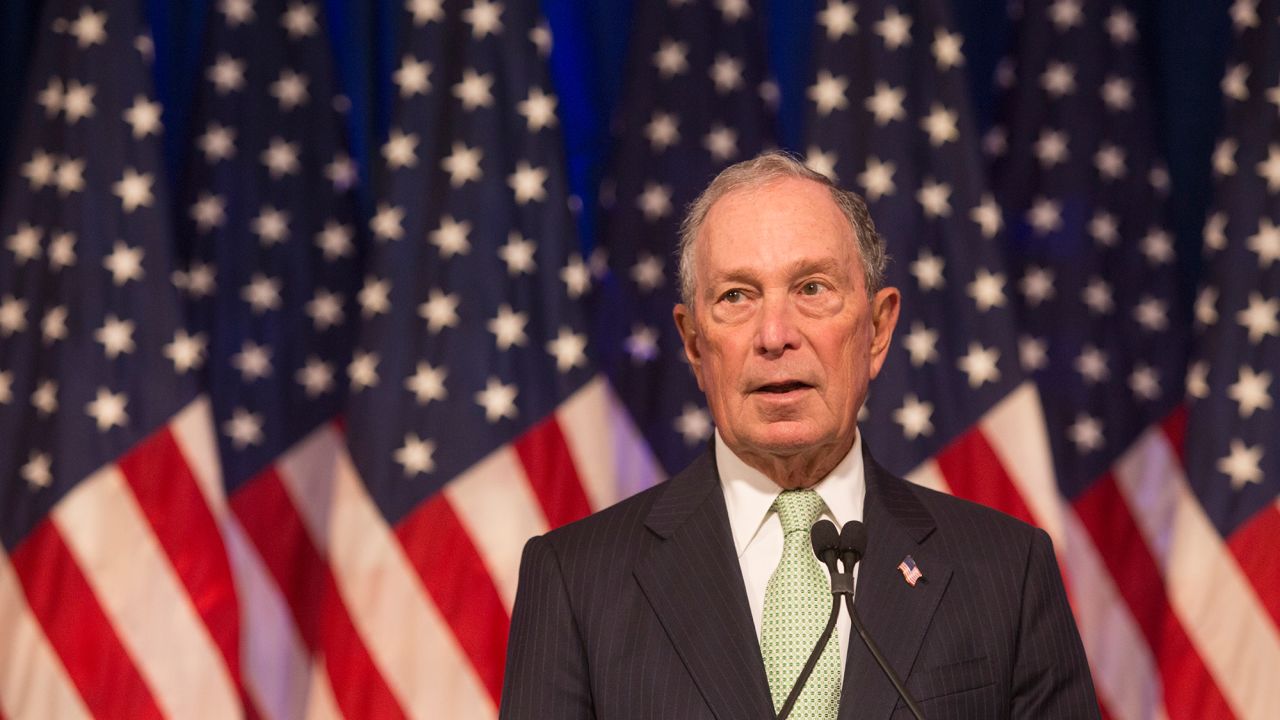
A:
640,612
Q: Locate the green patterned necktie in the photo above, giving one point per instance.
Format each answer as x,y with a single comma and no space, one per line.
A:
796,604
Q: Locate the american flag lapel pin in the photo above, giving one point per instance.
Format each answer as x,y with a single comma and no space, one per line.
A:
910,572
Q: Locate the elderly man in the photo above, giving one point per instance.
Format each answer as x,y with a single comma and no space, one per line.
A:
700,598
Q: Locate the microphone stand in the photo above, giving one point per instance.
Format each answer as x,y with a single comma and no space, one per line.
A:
853,542
850,544
841,584
881,661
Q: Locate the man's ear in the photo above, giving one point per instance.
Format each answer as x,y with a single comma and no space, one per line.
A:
884,318
687,326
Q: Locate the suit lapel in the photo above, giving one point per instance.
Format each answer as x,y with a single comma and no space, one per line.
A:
895,613
692,580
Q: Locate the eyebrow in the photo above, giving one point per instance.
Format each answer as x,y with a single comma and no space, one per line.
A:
803,266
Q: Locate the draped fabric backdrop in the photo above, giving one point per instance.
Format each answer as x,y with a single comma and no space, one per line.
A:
313,311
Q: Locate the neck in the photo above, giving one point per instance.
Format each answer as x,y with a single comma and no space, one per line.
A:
800,470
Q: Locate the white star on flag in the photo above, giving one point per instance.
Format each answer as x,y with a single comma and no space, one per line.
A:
498,400
244,428
440,311
474,90
508,327
412,77
451,237
655,201
416,455
116,336
569,349
828,93
134,190
694,424
144,117
427,383
463,164
108,409
980,364
914,416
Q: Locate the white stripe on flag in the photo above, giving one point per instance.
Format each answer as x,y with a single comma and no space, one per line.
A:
113,544
275,661
410,644
1124,671
612,458
321,704
1215,602
192,430
1015,429
498,508
33,681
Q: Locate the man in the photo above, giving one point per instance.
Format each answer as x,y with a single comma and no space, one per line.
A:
700,598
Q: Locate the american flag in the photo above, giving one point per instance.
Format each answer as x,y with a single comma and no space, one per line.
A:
168,555
1086,304
115,588
696,101
910,571
1232,456
888,116
269,265
1172,625
480,421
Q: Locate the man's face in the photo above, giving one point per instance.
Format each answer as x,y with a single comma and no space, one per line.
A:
782,336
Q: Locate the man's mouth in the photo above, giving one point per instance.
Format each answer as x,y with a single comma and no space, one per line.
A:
781,388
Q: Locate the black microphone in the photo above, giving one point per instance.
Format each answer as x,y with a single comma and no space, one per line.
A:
826,543
851,547
852,544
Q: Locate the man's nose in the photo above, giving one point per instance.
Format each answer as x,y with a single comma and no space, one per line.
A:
777,331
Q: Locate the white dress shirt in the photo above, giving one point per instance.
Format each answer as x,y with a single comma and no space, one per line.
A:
757,531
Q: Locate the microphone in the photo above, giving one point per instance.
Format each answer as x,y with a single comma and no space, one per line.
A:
825,541
852,544
826,544
851,547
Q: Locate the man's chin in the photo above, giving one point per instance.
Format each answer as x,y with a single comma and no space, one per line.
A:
784,439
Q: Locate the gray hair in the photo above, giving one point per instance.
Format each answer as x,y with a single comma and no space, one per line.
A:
762,170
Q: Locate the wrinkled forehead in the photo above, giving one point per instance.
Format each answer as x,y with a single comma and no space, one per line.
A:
780,224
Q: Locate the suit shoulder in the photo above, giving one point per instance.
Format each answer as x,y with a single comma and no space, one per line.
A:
617,523
621,527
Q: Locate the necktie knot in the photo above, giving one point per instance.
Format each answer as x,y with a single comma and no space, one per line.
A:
798,509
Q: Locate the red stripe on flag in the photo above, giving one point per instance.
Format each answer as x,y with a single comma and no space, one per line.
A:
1253,543
554,478
974,472
454,574
78,629
168,494
1175,428
358,685
1189,690
1254,546
272,522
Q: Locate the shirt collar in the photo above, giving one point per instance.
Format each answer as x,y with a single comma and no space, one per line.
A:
749,495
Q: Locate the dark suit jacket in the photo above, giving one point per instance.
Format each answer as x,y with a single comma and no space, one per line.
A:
639,611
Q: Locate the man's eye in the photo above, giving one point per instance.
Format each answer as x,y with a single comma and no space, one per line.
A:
811,288
733,296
